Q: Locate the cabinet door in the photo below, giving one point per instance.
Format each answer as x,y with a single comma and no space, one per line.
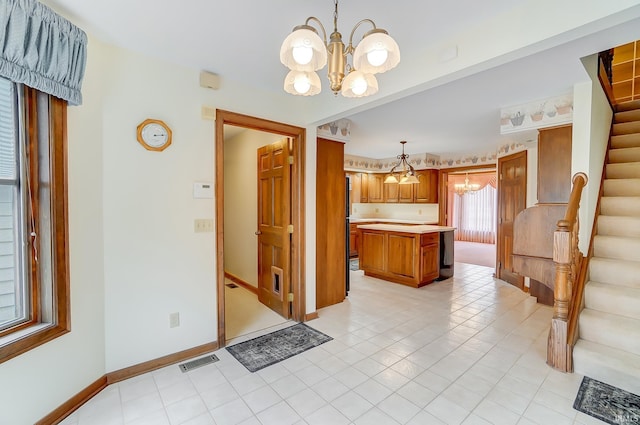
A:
405,193
373,248
353,240
429,262
364,188
401,255
426,191
391,191
356,187
375,187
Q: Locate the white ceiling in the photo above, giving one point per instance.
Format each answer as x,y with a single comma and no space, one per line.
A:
240,40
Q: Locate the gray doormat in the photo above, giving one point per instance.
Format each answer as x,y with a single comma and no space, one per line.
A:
265,350
607,403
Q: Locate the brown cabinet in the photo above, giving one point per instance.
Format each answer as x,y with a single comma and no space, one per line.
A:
406,193
625,69
402,257
375,186
427,190
371,188
353,240
390,191
554,165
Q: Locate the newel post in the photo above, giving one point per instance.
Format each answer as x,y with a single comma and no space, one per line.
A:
557,344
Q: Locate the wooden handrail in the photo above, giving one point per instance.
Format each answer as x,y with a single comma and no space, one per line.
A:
568,259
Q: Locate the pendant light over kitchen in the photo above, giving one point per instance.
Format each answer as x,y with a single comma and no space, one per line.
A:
405,174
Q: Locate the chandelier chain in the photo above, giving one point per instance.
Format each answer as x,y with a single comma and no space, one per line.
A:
335,16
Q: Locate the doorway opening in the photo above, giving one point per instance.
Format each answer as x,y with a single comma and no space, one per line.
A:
469,203
233,122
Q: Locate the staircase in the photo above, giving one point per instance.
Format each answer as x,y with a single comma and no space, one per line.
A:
608,348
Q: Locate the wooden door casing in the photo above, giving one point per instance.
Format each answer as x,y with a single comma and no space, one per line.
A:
512,195
274,217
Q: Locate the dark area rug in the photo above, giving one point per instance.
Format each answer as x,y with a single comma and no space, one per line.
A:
265,350
607,403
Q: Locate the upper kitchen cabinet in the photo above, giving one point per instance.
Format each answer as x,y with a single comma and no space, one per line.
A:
390,190
376,190
426,192
370,187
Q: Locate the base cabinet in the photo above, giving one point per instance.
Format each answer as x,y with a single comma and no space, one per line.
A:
408,258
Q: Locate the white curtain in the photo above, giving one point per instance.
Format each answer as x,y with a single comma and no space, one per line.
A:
42,49
475,215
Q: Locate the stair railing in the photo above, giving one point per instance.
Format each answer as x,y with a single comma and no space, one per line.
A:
568,260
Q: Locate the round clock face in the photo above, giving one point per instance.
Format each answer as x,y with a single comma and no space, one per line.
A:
154,135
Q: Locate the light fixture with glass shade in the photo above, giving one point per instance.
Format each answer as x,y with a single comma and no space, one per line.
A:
406,174
467,187
304,52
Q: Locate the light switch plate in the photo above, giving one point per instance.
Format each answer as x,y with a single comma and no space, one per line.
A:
202,190
203,225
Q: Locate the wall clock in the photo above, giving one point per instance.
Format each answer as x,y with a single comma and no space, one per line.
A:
154,135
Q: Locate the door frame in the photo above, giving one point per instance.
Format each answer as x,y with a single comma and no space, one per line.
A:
297,271
443,193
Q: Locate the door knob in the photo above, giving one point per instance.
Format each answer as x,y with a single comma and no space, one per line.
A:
258,232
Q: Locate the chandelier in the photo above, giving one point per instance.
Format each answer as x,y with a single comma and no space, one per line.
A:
467,187
407,175
304,52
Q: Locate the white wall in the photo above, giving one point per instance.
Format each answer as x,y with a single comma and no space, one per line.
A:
241,203
592,121
134,255
37,382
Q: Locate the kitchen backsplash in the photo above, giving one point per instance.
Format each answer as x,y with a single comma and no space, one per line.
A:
426,212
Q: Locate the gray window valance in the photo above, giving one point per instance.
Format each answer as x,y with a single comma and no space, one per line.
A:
41,49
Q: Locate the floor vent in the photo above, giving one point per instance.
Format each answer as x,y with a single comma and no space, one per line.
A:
193,364
231,285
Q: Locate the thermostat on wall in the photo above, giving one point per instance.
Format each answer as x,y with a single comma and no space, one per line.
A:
202,190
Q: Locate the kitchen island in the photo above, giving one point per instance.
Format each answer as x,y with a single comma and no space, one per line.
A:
413,255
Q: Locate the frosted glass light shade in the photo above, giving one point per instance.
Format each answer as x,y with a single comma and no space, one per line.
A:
391,178
359,84
409,179
376,53
303,50
302,83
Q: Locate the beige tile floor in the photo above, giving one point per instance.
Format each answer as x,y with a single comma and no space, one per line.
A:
469,350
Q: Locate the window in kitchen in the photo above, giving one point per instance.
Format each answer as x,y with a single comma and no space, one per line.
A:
34,285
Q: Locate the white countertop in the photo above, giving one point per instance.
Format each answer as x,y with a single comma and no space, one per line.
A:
424,228
388,220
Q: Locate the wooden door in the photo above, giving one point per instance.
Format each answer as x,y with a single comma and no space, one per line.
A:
554,165
364,188
512,198
274,217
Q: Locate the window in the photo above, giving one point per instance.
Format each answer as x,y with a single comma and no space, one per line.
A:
34,286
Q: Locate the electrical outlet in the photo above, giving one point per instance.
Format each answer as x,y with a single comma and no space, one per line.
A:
203,225
174,320
419,212
377,210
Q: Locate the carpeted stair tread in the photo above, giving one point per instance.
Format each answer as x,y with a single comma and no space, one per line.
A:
628,170
627,116
624,155
622,187
616,247
612,225
628,106
620,205
615,367
618,272
614,299
625,141
620,332
626,128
